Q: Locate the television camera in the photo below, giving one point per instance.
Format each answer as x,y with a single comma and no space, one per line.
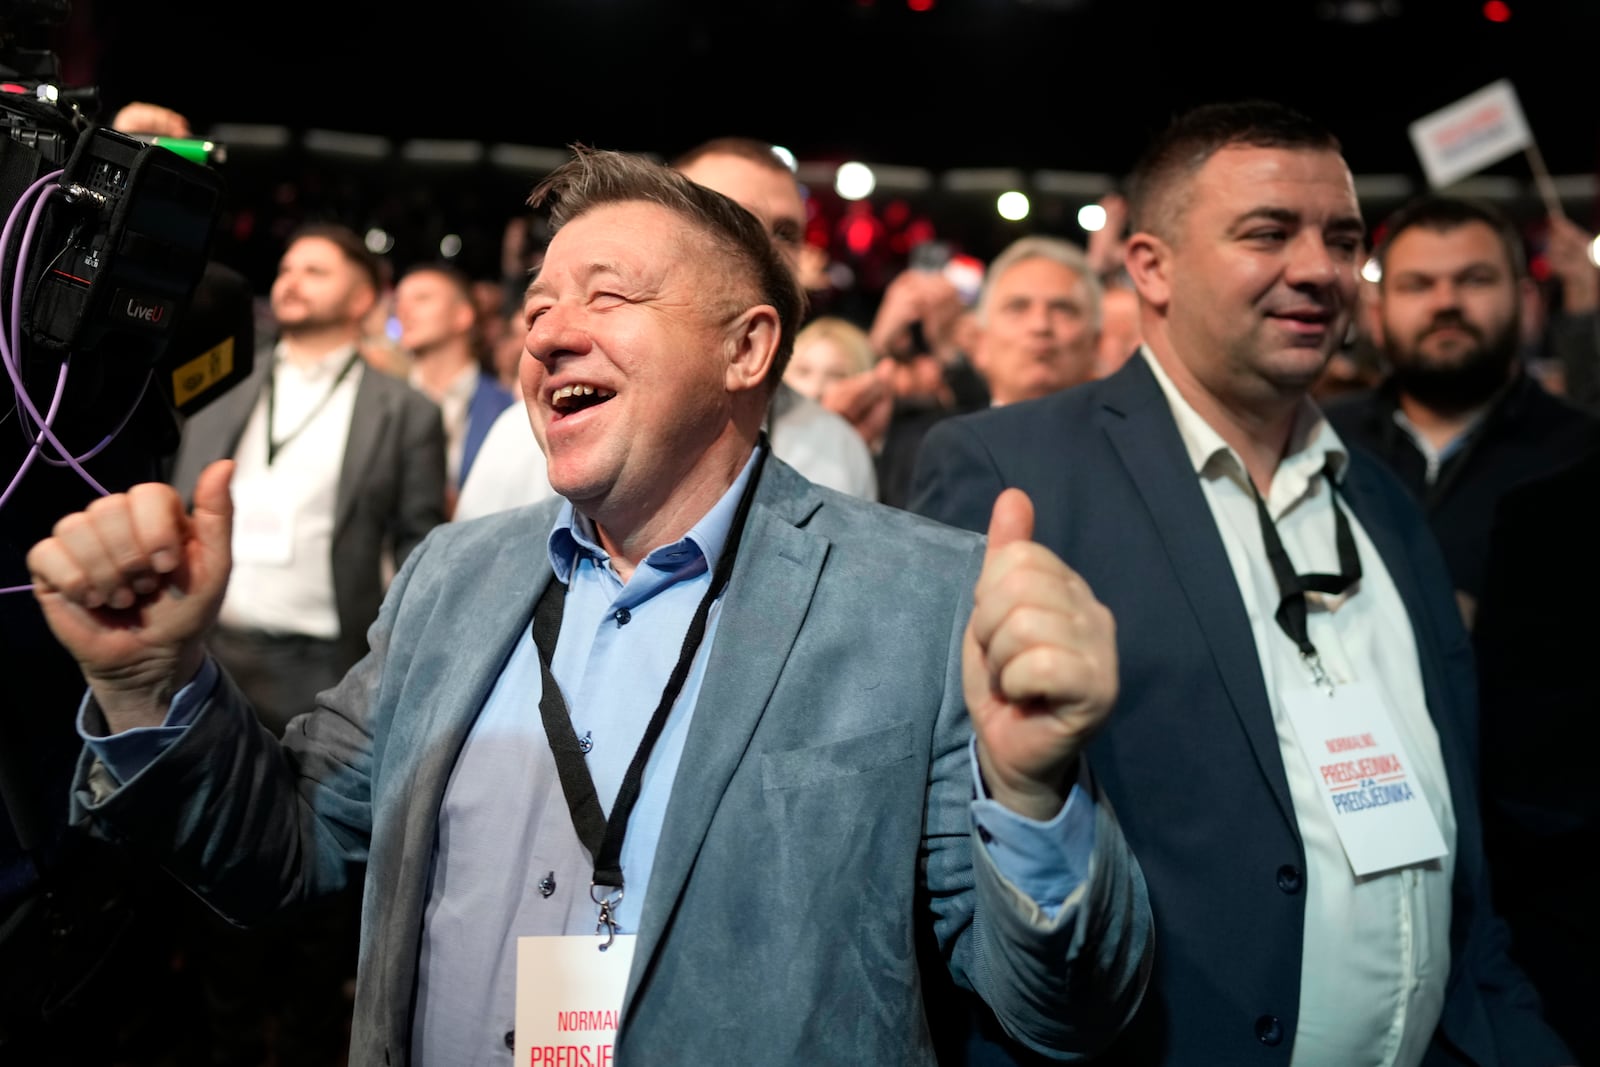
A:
115,325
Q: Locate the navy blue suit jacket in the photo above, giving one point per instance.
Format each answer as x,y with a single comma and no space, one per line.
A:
489,399
1189,757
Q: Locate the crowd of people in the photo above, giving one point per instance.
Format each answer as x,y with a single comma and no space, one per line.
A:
1168,652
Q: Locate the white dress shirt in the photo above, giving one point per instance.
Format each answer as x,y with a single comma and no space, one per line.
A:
1376,949
454,403
290,591
509,470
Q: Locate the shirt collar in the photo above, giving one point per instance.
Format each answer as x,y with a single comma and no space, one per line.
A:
326,367
1503,398
460,388
696,552
1313,443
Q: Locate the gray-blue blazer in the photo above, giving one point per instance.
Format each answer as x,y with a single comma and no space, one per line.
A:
817,879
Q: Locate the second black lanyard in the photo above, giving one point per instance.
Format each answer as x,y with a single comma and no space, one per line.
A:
278,444
1293,586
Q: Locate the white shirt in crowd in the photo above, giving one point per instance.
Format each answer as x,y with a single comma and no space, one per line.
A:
282,580
1376,949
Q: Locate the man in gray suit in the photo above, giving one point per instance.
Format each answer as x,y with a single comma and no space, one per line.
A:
340,471
861,783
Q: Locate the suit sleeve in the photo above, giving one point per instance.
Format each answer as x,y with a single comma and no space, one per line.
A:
251,824
1062,986
955,479
421,503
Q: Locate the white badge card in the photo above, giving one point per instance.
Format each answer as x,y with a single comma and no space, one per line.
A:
262,534
1367,779
569,997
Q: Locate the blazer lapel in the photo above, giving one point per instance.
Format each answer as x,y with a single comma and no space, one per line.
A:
768,596
1370,510
215,430
234,410
1139,424
368,420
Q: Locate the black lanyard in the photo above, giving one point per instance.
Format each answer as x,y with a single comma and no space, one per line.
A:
1293,586
602,836
277,444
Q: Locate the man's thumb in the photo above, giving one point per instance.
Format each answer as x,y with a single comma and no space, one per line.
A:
1011,520
213,506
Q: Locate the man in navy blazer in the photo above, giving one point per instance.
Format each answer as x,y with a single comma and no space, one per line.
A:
439,327
859,764
1280,604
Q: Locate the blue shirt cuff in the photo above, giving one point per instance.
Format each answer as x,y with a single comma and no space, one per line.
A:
128,753
1045,860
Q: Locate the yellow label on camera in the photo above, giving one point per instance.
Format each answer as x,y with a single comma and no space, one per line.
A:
201,373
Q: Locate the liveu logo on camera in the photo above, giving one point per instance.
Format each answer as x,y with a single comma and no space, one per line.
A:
141,309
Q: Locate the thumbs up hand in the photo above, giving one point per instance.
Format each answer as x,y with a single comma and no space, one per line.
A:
130,585
1039,665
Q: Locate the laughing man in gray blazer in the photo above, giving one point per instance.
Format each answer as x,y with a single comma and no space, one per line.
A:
871,787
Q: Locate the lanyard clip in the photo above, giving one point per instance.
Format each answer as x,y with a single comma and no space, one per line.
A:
608,911
1319,676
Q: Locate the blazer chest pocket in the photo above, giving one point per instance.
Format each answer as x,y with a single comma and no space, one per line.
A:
797,768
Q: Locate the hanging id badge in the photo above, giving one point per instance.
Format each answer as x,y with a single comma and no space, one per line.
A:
262,534
569,999
1366,777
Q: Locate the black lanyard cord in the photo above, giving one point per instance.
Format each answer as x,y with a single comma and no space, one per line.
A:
1293,586
602,835
278,444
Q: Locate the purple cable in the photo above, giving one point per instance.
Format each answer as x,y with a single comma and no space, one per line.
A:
40,192
9,352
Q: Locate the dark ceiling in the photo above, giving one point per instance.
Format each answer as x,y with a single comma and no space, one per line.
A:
1032,85
1062,84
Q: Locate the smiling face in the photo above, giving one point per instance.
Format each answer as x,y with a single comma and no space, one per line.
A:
635,383
1255,286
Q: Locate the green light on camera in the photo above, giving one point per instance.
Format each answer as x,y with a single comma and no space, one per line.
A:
191,148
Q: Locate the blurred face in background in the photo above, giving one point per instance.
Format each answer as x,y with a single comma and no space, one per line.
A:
1039,332
816,364
1448,311
317,287
431,311
769,193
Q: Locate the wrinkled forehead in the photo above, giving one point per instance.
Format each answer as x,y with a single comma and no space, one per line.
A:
314,251
1447,246
1301,187
1039,274
646,242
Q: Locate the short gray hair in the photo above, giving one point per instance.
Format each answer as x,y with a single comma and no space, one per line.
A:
1055,249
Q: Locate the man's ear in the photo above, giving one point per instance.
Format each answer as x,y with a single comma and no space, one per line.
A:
1149,265
752,347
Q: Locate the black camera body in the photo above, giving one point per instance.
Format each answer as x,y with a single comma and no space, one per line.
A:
121,245
118,325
